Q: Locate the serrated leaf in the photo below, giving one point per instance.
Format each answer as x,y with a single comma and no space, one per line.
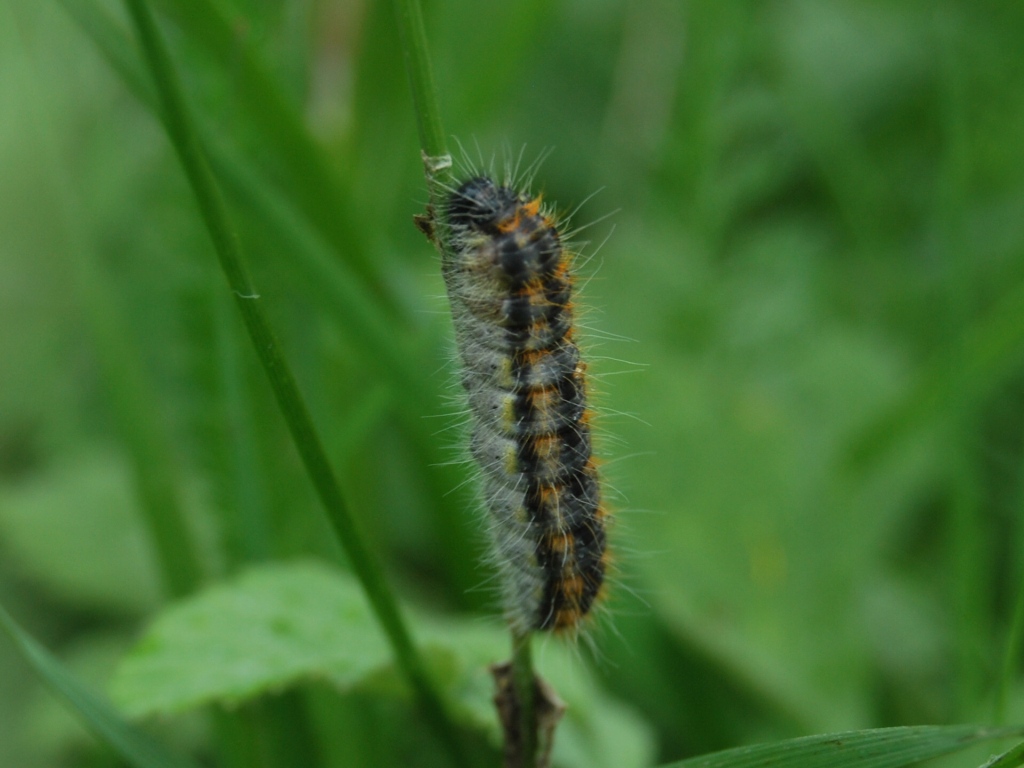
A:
278,625
263,632
135,746
878,748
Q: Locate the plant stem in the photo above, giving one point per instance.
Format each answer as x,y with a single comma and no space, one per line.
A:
413,37
211,205
525,686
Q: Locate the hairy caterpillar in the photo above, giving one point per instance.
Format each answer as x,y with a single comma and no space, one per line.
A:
509,279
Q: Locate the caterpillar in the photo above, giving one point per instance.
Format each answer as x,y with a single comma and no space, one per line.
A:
509,280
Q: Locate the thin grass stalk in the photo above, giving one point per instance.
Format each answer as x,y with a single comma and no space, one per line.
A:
272,732
132,397
525,686
364,563
132,743
342,290
413,37
248,518
311,178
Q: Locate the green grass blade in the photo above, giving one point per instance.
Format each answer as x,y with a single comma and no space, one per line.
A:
361,314
242,483
318,191
132,744
367,327
1010,759
119,52
421,76
368,330
413,37
364,563
878,748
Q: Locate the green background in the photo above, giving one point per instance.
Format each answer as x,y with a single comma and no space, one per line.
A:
805,316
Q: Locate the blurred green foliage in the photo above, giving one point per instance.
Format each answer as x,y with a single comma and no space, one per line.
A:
815,272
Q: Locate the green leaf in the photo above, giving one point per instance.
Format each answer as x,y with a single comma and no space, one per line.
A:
264,631
878,748
278,625
132,744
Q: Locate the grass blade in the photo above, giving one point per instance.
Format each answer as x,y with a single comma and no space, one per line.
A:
878,748
380,344
310,447
1011,758
421,76
413,36
349,296
318,191
135,746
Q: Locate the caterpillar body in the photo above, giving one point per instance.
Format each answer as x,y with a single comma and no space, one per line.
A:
509,279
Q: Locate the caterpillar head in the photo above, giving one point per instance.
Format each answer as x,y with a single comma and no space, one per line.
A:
482,205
